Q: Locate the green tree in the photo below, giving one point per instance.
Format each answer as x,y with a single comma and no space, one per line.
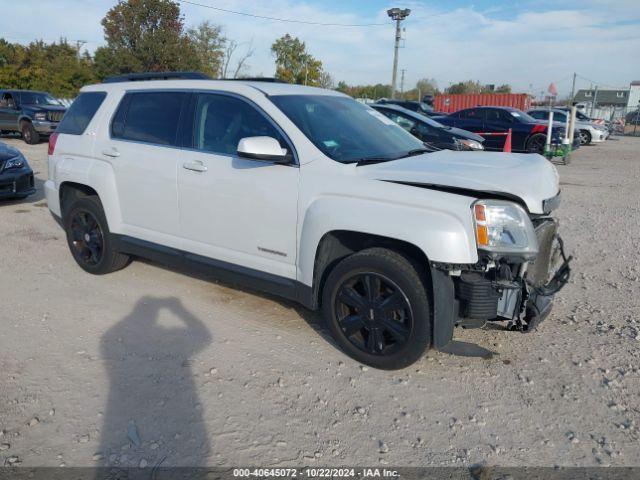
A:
145,35
294,64
506,88
55,67
469,86
209,44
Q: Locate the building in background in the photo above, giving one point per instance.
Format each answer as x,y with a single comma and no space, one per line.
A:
607,103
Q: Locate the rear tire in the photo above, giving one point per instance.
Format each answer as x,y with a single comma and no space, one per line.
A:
89,239
29,134
376,306
536,143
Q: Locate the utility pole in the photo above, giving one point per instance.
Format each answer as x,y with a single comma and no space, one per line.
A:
397,14
595,99
79,44
573,89
402,83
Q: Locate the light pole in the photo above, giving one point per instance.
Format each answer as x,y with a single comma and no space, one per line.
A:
397,14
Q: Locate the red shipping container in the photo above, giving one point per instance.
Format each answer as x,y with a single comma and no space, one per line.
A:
453,103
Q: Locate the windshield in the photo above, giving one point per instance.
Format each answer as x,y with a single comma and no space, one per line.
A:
345,130
35,98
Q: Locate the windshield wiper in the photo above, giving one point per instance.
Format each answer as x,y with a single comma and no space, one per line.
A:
414,152
370,160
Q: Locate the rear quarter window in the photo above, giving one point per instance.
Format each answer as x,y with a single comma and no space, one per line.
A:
80,113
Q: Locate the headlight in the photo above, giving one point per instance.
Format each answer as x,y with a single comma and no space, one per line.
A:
504,227
40,116
15,162
470,144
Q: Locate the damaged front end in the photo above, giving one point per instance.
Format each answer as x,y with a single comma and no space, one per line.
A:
522,265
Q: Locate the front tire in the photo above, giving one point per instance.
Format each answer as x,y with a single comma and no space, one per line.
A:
376,306
89,239
585,137
29,134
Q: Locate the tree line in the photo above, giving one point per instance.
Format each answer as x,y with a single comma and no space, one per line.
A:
150,36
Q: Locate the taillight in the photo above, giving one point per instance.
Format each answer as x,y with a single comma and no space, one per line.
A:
539,128
53,138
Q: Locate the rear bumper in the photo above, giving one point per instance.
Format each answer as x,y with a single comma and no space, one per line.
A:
52,196
17,183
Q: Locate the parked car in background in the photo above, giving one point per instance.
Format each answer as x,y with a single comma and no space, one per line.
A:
16,177
419,107
528,134
32,114
308,194
432,133
633,118
588,132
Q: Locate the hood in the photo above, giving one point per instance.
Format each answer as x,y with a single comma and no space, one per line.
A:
531,178
7,152
460,133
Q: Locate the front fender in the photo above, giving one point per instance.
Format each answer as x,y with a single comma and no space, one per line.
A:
443,229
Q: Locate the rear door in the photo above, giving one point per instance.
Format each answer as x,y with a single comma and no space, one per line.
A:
470,119
141,147
9,112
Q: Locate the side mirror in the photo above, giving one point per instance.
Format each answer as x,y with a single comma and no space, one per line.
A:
266,149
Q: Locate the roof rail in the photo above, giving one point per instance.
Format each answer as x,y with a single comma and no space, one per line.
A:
257,79
137,77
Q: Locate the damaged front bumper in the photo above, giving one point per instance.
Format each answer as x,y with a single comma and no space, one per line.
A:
517,291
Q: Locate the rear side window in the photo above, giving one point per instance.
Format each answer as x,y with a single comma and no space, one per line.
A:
150,117
82,110
472,114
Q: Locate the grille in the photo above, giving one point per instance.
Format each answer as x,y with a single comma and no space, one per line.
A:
538,271
54,116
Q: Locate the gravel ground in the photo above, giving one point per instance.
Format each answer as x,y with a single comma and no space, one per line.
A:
152,366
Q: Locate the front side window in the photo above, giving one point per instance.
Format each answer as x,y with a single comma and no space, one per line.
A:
221,121
37,98
346,130
80,113
150,117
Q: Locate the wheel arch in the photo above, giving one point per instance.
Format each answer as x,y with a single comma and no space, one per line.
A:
336,245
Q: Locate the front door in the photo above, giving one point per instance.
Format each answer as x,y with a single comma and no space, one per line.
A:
234,209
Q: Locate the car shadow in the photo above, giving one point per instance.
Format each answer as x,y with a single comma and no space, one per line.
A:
153,415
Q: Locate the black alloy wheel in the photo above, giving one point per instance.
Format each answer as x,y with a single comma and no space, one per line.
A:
87,238
373,313
537,143
91,244
376,305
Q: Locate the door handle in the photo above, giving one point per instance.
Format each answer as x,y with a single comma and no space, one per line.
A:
196,166
111,152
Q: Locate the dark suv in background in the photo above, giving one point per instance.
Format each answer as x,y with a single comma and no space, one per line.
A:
32,114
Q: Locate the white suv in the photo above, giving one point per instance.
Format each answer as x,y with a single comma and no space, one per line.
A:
308,194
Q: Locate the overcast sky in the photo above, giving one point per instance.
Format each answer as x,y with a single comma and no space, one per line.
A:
527,44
